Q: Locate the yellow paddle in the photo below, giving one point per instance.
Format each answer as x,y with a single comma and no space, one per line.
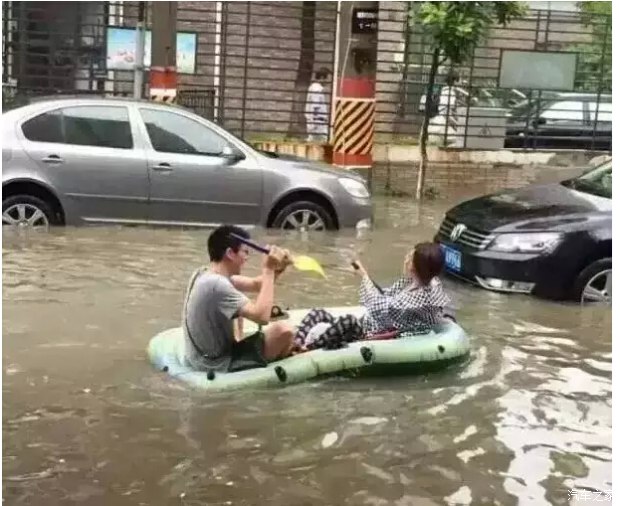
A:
300,262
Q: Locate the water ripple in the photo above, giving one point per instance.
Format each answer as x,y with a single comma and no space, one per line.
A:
86,418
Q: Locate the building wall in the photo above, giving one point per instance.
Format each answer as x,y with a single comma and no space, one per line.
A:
390,52
259,51
259,56
455,172
260,61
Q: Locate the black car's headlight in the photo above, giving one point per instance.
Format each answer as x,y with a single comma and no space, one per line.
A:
533,242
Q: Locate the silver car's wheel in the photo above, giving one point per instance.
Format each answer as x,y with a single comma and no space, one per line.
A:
304,215
24,215
303,219
598,289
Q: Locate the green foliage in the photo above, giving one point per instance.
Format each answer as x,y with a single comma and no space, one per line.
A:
11,99
589,9
457,28
594,60
454,31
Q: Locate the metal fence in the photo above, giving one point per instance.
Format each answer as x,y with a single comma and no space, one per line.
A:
475,112
253,62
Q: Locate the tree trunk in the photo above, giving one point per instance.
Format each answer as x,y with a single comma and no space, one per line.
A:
297,125
424,132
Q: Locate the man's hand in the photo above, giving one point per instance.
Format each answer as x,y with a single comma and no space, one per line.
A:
275,258
286,261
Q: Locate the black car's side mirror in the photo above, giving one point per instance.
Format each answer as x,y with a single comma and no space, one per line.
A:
232,155
540,121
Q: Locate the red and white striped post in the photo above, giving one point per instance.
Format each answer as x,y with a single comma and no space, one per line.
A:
163,84
163,75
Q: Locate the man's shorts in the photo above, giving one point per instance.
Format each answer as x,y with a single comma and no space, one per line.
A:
248,353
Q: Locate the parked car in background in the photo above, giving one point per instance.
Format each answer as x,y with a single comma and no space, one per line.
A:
561,121
101,160
550,240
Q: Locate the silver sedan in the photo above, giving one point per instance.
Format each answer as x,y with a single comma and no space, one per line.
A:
104,160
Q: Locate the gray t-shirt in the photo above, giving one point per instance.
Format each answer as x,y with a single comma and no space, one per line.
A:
210,306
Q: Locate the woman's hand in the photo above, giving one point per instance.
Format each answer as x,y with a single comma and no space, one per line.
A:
408,265
358,268
297,349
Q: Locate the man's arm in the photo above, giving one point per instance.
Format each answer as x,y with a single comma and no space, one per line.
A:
254,284
247,283
259,311
251,284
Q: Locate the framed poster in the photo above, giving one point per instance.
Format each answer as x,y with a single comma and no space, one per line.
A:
121,50
543,70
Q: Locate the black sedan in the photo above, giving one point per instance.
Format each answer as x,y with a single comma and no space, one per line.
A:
552,240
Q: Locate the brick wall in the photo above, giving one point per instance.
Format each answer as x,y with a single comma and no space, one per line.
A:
390,50
451,179
261,48
553,31
261,54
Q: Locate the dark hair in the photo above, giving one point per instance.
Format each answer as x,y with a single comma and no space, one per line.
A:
428,260
322,73
220,240
452,77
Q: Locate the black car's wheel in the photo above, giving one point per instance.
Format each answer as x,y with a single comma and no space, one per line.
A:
27,211
594,283
304,215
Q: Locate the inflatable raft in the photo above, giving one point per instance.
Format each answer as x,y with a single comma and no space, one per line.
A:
446,344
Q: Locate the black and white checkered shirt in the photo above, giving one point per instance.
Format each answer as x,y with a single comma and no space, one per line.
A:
406,306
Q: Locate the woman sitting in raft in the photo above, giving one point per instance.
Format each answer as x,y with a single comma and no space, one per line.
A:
414,303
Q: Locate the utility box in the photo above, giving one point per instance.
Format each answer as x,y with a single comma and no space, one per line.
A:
486,128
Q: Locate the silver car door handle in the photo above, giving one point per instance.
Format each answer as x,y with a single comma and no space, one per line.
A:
52,159
162,167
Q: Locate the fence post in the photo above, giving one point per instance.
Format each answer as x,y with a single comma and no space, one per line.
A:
216,60
335,75
600,82
248,16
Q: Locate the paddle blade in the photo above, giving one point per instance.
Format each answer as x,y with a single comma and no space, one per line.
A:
305,263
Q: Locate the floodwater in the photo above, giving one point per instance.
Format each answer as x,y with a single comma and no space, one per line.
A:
86,419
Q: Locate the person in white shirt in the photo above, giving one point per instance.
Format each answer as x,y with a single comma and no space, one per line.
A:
317,107
447,112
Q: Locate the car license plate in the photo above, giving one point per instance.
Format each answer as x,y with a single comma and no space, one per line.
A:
453,258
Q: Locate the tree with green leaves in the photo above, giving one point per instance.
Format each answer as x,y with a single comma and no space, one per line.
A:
594,61
454,30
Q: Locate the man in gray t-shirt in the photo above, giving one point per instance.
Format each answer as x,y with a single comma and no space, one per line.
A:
214,299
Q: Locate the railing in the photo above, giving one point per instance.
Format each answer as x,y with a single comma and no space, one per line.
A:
248,66
475,112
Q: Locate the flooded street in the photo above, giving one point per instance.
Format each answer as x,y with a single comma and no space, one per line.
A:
88,420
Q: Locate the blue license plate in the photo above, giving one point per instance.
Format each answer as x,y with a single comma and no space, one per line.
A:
453,258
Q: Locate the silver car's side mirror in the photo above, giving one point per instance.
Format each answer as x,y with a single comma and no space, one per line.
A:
231,154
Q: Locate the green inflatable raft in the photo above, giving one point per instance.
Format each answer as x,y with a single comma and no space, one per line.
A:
446,344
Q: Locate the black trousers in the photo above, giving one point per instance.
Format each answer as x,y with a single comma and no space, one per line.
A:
342,330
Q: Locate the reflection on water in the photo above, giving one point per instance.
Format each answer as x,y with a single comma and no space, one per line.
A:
86,419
